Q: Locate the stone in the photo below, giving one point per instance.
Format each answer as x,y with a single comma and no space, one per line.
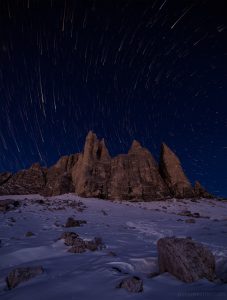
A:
185,259
78,245
19,275
29,234
95,244
74,223
8,204
173,174
132,284
190,221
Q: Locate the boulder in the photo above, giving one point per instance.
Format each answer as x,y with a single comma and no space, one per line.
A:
132,284
185,259
19,275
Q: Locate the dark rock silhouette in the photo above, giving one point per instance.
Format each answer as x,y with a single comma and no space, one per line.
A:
93,173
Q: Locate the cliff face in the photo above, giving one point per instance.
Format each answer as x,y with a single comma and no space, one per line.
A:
173,174
93,173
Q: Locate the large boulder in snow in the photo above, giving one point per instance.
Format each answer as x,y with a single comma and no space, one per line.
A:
173,174
185,259
19,275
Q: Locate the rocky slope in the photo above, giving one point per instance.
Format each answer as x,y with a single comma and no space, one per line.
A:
94,173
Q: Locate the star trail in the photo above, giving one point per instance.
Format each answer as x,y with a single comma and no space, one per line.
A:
148,70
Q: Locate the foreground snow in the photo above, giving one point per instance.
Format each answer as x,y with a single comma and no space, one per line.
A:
130,230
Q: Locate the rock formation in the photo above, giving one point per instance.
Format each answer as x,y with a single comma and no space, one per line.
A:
173,174
136,176
93,173
30,181
185,259
200,192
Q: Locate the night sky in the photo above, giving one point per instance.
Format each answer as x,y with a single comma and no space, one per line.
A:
148,70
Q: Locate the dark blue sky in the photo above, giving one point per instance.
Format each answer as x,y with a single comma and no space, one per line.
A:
150,70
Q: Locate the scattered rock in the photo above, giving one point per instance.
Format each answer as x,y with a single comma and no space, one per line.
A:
74,223
190,221
78,245
8,204
185,259
95,244
19,275
131,284
111,253
29,233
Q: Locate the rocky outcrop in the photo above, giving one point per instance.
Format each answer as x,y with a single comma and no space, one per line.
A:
20,275
200,192
136,176
59,178
30,181
173,174
185,259
93,173
4,177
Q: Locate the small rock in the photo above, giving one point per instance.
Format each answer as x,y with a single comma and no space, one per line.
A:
190,221
74,223
19,275
111,253
95,244
131,284
29,233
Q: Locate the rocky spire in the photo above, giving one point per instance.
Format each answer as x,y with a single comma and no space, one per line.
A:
173,174
200,191
135,147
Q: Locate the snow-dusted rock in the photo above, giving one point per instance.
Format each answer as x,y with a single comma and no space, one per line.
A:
131,284
185,259
19,275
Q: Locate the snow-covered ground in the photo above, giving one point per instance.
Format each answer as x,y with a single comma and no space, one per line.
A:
130,230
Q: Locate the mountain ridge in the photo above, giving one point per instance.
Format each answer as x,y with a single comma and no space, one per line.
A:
94,173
